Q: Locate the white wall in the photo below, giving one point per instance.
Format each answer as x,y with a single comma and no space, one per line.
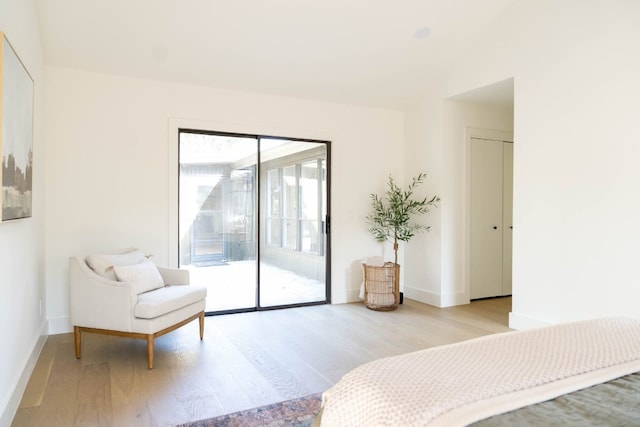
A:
575,65
22,326
108,175
577,236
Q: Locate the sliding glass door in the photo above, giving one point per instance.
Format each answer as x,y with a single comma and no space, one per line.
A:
293,261
217,214
252,219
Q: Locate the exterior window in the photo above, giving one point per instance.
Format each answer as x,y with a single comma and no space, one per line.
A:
273,209
290,221
297,206
310,219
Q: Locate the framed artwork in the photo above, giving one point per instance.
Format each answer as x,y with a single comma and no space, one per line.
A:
16,136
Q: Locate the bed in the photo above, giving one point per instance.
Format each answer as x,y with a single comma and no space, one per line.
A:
579,373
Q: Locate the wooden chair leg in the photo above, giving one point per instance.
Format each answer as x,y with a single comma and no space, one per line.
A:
77,337
150,351
201,325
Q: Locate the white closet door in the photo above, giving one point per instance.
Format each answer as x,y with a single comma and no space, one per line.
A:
486,218
507,217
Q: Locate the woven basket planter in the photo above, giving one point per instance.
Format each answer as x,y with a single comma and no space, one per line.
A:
381,286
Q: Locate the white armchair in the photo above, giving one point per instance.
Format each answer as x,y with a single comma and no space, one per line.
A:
124,294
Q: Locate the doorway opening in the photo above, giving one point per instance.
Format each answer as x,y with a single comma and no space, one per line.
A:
484,118
254,219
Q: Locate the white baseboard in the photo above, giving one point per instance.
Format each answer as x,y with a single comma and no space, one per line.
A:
60,325
434,299
20,383
519,322
421,295
345,297
353,296
450,300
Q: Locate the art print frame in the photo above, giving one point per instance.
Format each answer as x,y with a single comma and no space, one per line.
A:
16,134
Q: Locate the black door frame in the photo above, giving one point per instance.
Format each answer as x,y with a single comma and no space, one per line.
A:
327,219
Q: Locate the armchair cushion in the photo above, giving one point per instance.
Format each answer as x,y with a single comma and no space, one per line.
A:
162,301
144,276
103,264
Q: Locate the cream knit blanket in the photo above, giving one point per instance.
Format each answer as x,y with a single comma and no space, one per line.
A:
420,388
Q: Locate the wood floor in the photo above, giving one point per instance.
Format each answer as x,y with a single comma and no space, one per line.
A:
245,360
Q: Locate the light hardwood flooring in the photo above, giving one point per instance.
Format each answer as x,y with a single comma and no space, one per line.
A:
245,360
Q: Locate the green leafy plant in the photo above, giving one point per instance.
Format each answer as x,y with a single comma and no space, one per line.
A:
393,213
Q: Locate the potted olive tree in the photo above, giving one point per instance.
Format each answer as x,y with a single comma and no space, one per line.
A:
393,216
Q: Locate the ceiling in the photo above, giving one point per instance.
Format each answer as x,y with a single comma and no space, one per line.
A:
498,94
378,53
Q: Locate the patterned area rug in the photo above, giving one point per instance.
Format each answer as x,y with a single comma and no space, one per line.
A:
291,413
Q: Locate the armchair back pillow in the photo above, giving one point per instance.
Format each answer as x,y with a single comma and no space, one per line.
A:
103,264
144,276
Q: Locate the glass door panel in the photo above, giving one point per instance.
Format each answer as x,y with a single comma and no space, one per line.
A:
217,217
252,219
292,263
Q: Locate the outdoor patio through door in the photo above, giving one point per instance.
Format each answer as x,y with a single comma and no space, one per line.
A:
253,214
